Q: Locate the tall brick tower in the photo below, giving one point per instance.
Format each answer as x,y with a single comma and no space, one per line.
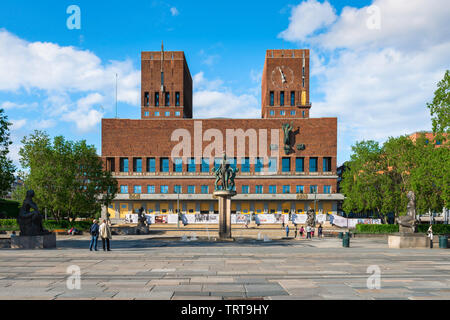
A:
166,85
285,84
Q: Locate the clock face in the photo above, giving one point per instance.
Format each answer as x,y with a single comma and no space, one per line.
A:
282,77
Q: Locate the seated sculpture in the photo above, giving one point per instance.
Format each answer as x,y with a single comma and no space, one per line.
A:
30,222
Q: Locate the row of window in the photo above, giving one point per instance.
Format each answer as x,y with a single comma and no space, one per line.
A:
245,189
191,166
283,113
282,98
157,101
167,113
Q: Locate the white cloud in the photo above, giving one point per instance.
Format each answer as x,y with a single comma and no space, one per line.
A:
174,11
306,18
212,99
17,124
377,81
61,72
13,105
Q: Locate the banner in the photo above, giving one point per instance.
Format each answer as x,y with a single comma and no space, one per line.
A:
240,218
351,223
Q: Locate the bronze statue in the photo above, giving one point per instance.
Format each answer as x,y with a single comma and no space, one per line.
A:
226,175
311,217
30,222
142,221
287,129
407,224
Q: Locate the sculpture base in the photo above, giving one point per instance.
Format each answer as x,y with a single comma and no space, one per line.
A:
47,241
224,213
408,240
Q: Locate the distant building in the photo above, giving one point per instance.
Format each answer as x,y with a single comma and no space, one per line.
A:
16,183
430,136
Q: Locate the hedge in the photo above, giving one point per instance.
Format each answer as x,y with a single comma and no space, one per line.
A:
437,228
376,228
48,224
392,228
9,208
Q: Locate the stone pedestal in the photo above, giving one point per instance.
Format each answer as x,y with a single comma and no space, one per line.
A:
408,240
47,241
225,214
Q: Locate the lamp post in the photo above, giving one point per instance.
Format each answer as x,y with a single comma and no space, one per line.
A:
178,209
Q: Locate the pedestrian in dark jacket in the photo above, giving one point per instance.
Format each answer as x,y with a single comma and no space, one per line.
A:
94,235
287,231
319,230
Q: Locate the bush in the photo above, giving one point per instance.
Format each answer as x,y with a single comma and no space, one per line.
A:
9,208
11,224
437,228
376,228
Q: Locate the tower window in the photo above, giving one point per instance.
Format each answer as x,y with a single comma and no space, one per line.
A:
146,99
272,112
162,78
271,98
282,98
327,164
177,99
292,98
123,164
157,99
303,82
167,99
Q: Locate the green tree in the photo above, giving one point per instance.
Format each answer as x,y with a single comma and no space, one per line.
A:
68,177
6,165
440,106
361,184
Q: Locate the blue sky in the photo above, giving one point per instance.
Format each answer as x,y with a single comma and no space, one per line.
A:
374,68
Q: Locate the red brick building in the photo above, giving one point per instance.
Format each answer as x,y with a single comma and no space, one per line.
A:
164,161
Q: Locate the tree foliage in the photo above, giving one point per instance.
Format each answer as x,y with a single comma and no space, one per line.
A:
378,178
440,106
6,165
67,177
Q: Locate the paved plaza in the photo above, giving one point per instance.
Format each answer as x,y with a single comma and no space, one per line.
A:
142,267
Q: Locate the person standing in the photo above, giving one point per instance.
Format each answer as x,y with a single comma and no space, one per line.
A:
94,231
301,231
308,232
105,233
430,235
319,231
295,232
287,230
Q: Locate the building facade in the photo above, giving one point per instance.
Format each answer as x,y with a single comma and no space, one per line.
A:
163,162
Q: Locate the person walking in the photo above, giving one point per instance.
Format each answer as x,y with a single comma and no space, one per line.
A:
94,231
105,233
287,230
308,232
295,232
301,231
319,231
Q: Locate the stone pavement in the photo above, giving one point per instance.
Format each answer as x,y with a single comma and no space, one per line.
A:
142,267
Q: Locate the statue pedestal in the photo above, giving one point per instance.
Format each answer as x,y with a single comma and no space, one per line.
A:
47,241
225,214
408,240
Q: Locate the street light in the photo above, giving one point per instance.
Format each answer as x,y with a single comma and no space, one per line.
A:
178,209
